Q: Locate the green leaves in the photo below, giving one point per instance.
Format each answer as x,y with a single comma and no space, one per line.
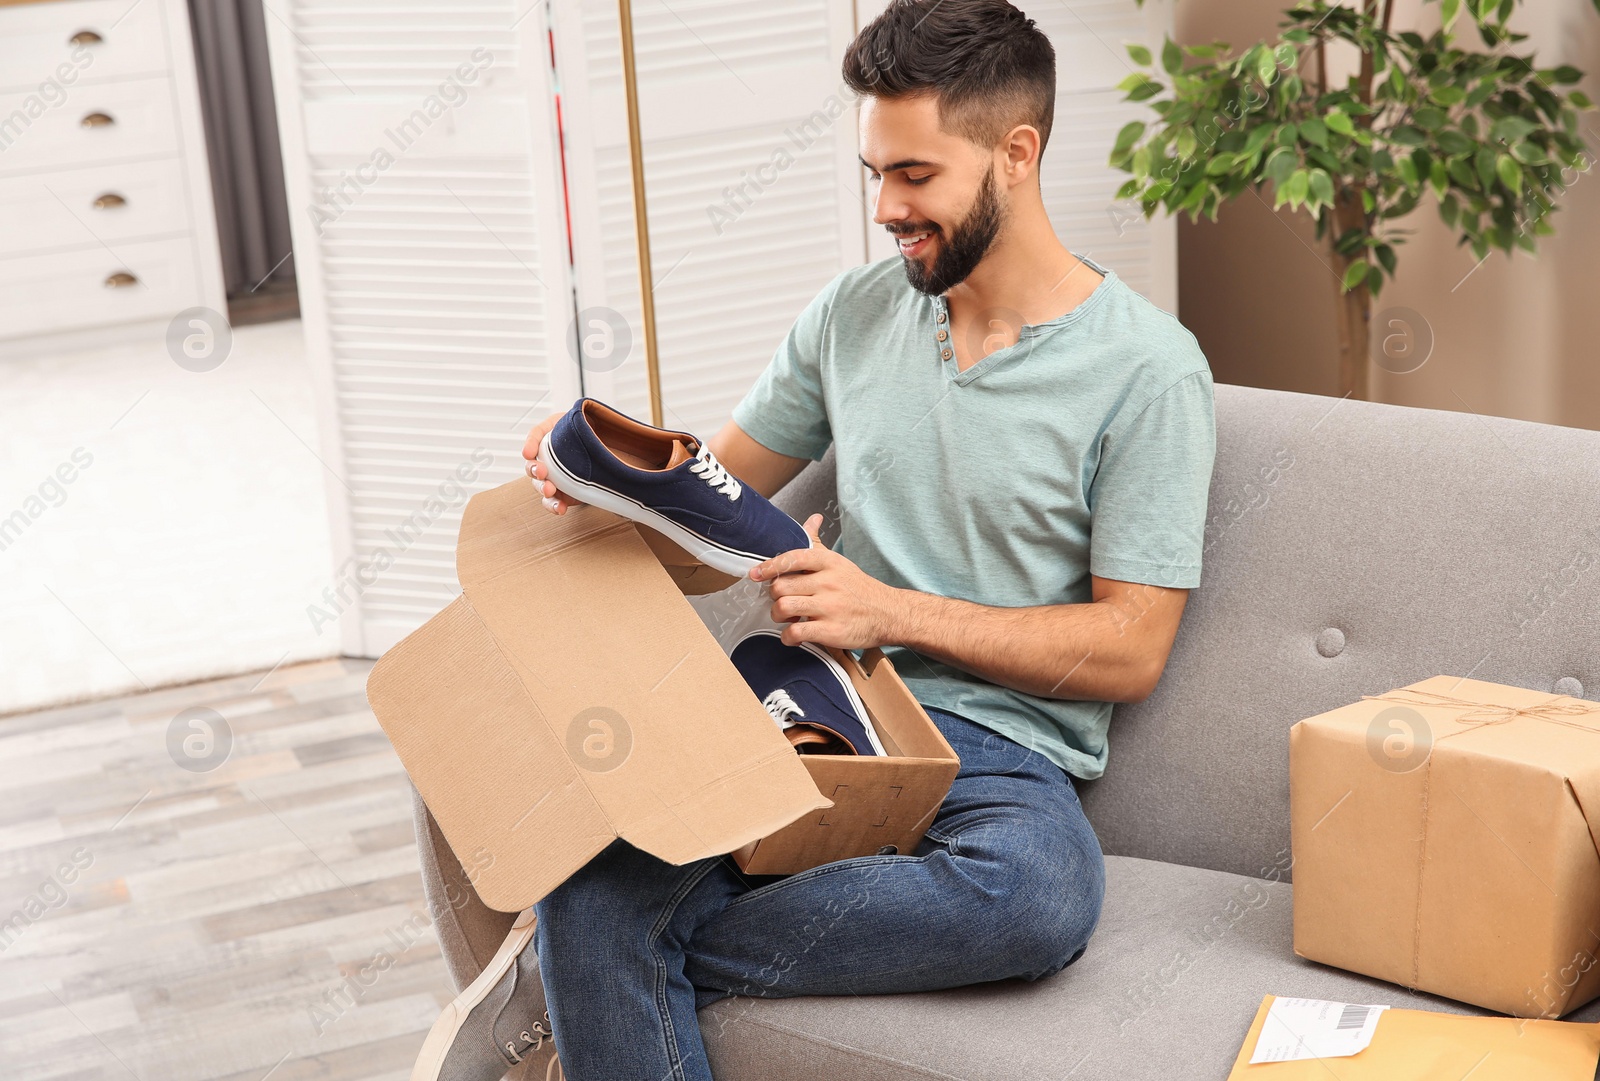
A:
1171,57
1484,160
1266,67
1140,87
1129,135
1294,192
1483,133
1321,187
1510,173
1281,164
1510,129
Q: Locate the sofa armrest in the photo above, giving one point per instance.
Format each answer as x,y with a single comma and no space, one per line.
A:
469,931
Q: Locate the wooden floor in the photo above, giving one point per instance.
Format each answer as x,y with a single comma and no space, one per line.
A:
164,921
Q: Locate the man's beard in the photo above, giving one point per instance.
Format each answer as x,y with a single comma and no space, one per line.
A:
968,244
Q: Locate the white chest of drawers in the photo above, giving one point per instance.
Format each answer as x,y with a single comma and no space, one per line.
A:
106,219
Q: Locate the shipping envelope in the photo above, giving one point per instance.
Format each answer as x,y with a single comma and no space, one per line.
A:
1416,1045
570,696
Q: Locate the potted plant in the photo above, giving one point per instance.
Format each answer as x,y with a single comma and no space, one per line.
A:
1485,135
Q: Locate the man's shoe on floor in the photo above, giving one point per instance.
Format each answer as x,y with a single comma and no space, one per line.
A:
668,481
807,693
499,1021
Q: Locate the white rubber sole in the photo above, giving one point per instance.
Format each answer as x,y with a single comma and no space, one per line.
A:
712,555
443,1033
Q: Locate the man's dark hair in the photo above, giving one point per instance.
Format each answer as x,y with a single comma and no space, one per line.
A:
990,65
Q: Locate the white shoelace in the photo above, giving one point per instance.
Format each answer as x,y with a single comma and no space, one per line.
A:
782,708
708,469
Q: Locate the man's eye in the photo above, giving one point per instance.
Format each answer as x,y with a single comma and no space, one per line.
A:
919,179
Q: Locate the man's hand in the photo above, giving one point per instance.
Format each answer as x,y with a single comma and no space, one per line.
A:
554,501
827,599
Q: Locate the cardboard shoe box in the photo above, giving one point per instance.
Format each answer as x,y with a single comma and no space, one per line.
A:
572,695
1447,838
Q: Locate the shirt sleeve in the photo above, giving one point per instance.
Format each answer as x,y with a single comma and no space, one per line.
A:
786,410
1148,499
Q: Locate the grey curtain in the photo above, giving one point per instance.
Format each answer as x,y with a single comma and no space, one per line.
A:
230,39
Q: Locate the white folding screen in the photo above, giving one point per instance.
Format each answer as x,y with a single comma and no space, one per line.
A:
753,190
433,196
430,243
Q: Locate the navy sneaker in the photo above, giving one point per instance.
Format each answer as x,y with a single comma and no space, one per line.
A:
668,481
807,693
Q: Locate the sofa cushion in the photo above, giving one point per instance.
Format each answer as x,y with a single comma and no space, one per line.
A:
1166,990
1352,547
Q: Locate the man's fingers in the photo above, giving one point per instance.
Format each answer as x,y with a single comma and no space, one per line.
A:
802,559
795,633
553,499
530,449
796,607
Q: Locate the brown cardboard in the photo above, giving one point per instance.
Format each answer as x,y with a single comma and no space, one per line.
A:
571,695
1461,857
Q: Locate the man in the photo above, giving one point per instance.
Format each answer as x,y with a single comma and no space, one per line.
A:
1024,449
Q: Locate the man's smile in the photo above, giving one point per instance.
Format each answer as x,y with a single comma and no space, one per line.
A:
914,243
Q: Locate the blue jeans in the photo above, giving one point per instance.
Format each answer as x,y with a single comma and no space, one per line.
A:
1008,883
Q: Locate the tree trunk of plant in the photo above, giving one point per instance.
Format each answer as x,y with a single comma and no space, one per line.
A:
1355,341
1355,307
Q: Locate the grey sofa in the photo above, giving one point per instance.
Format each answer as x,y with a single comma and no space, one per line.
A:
1351,548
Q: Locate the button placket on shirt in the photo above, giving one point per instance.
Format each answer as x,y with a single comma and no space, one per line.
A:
943,335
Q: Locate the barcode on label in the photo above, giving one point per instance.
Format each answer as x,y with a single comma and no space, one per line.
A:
1352,1017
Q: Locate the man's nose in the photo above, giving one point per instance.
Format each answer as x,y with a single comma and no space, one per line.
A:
887,207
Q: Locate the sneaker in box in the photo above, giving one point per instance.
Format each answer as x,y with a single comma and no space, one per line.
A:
572,695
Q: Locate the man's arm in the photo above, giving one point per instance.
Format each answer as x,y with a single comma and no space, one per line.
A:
765,470
1110,650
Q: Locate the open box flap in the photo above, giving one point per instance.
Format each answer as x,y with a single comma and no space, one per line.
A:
601,672
463,725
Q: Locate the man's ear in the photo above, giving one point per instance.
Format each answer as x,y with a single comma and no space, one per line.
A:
1021,147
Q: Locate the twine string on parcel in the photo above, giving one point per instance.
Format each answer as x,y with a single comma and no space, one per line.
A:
1556,710
1559,709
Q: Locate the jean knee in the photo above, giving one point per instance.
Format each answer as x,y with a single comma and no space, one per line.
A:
1057,915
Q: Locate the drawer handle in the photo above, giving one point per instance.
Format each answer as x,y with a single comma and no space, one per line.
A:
121,280
96,120
85,37
110,200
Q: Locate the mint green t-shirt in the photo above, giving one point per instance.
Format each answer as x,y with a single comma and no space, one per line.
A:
1085,448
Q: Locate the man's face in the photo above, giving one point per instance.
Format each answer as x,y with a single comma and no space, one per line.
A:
933,187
